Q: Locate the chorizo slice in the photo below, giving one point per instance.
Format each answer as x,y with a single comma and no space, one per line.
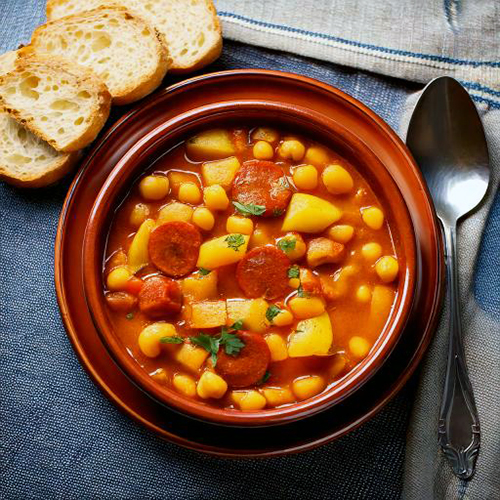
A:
263,273
174,246
249,365
160,297
262,183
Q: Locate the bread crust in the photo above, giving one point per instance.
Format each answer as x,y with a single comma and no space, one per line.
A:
85,78
135,90
63,165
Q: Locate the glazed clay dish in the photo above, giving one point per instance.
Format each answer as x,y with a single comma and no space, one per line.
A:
249,263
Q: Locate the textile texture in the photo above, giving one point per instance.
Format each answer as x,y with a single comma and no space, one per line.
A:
61,438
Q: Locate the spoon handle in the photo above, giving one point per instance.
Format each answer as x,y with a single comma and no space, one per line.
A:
459,433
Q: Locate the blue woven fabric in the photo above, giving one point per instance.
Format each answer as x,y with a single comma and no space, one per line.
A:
61,438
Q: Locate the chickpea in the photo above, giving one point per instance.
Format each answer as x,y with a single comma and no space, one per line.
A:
203,218
284,317
307,307
211,385
387,268
118,278
249,400
260,237
294,282
139,214
237,224
337,179
363,294
189,192
339,363
277,396
291,149
307,387
154,187
262,150
371,251
373,217
277,347
149,338
215,197
316,155
305,177
359,347
184,384
293,246
341,233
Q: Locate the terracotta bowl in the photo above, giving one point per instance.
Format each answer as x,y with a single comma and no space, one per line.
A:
322,128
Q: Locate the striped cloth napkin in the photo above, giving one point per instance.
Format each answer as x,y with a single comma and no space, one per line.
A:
419,41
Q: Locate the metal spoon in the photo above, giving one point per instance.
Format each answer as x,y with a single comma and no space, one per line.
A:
447,140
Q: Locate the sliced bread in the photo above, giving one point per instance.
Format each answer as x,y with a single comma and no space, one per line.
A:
28,161
191,28
128,54
63,104
25,159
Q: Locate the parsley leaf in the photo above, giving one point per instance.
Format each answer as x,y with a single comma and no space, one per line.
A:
235,241
301,292
172,340
294,272
264,378
278,211
249,209
209,343
237,325
272,312
204,271
232,343
287,244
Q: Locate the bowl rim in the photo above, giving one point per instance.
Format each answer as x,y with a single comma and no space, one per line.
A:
121,176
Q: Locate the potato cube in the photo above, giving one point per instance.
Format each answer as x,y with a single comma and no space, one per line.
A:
309,214
212,144
324,251
222,251
252,312
307,307
191,356
265,134
138,255
207,314
175,212
312,337
198,287
220,172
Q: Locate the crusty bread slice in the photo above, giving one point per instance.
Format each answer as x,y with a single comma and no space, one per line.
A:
128,54
28,161
63,104
191,28
25,159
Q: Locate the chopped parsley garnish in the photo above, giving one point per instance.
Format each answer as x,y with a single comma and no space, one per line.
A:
249,209
278,211
204,271
287,244
130,316
294,272
172,340
301,292
264,378
235,241
272,312
211,343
